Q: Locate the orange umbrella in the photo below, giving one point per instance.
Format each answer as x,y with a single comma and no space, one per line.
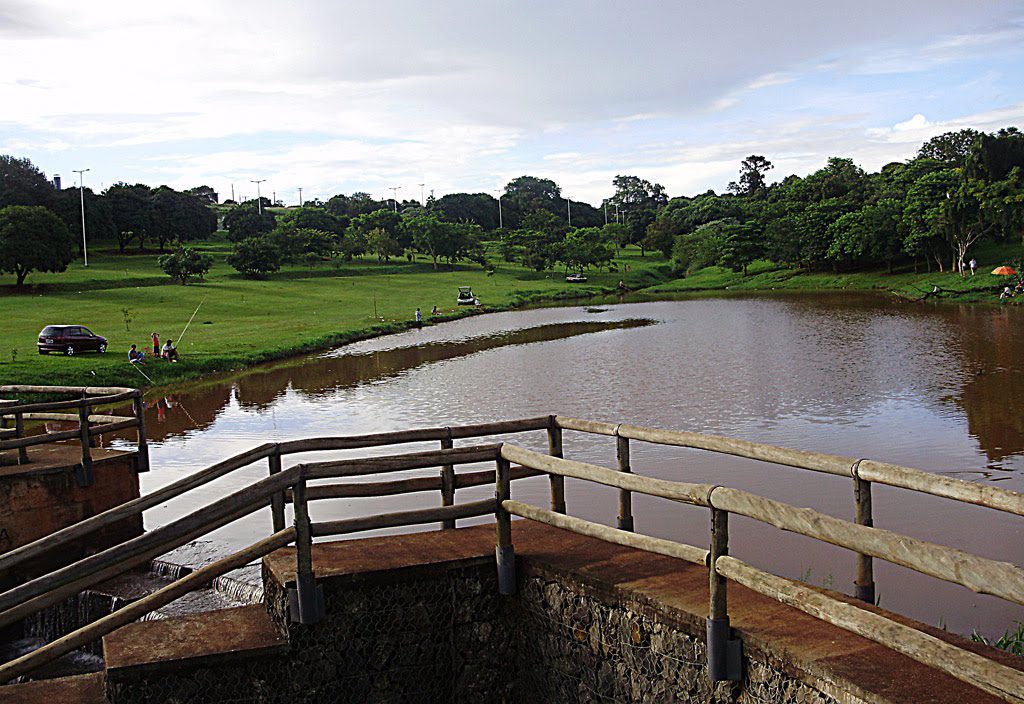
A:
1004,271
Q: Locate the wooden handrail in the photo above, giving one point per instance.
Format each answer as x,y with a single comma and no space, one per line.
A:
868,470
404,518
999,680
398,463
406,486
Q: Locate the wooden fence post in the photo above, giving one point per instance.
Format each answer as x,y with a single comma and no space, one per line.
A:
503,550
448,480
625,521
83,475
306,600
557,481
724,655
277,499
864,584
19,432
142,448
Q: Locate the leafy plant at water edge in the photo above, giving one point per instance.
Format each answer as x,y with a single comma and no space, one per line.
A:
1012,640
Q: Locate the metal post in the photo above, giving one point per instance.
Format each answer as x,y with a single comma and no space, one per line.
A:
277,500
503,551
557,481
864,584
83,475
447,481
19,432
142,450
725,661
625,495
306,600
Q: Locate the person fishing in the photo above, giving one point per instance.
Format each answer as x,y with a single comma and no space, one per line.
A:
156,345
136,356
170,352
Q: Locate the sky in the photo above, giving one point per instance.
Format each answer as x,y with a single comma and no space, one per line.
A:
336,97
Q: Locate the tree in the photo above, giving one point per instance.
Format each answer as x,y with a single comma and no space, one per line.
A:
951,149
637,201
379,242
246,221
204,193
583,248
185,263
99,220
131,207
22,183
478,208
255,257
354,205
743,243
33,238
752,182
703,247
179,217
427,234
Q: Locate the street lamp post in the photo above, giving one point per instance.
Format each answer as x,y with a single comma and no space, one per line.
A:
568,210
81,197
300,196
422,202
394,192
259,198
501,224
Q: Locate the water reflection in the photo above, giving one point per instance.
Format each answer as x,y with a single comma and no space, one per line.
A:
936,387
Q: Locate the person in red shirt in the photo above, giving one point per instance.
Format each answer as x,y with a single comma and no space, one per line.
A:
156,345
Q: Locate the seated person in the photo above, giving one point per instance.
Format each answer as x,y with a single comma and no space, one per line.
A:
169,352
135,356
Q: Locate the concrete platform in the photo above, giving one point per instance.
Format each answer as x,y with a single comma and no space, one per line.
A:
674,590
80,689
213,637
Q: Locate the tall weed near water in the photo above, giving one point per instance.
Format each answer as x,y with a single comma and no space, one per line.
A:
1012,641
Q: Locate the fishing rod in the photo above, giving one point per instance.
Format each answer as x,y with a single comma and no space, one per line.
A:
136,368
190,321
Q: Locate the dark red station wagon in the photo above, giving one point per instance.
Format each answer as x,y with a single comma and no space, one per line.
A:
70,339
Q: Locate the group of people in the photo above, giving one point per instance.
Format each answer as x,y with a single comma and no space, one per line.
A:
168,352
419,315
1011,292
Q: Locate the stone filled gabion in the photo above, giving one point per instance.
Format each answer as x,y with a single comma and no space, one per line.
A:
445,635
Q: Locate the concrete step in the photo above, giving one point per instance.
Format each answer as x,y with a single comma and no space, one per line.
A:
181,642
196,602
80,689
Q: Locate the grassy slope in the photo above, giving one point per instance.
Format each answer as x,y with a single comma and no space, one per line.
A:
763,276
243,322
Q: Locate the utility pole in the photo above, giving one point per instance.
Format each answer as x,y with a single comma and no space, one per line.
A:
300,196
568,210
422,202
259,198
501,225
233,192
273,199
81,197
606,212
394,191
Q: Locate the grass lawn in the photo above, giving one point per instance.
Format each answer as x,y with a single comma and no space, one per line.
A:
241,321
766,276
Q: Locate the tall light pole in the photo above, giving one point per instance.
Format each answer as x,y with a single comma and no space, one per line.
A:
568,210
422,202
259,198
606,212
501,225
81,198
394,192
300,196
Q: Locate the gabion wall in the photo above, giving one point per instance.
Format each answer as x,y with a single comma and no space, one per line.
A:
446,636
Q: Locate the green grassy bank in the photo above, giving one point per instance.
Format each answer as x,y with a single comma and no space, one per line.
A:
904,283
243,322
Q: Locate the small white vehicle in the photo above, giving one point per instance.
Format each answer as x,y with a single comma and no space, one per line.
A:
466,297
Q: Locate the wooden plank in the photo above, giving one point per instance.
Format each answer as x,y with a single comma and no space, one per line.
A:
978,574
408,486
404,518
499,428
938,485
130,508
696,494
77,390
815,461
73,417
586,426
397,463
660,546
996,679
148,604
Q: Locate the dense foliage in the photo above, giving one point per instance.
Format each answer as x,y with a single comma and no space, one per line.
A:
32,238
184,264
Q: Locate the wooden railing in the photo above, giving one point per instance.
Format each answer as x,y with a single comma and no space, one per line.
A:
979,574
90,425
281,486
291,485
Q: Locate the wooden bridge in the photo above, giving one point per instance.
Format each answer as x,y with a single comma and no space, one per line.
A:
948,667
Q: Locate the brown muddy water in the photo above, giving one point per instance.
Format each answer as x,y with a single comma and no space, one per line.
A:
938,387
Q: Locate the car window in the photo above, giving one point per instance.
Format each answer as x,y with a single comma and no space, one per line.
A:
86,331
50,331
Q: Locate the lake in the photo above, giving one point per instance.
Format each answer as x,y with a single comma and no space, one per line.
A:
937,387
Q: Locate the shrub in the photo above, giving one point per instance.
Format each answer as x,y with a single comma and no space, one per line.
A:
255,257
186,263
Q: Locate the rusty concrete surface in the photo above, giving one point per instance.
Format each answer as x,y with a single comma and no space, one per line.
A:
216,636
675,590
80,689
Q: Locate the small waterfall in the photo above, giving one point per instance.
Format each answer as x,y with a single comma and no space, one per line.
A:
240,590
169,570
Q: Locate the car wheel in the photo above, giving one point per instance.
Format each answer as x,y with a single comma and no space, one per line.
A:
103,348
70,350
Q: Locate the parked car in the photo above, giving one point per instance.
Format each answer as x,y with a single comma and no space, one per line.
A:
70,339
466,297
576,278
